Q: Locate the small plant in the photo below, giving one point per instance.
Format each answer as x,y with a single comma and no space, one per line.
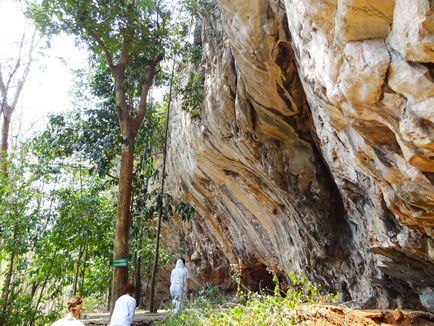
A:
235,273
208,297
192,94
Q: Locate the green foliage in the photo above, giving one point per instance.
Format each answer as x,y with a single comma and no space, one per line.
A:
205,302
16,198
91,132
132,33
111,21
90,304
55,224
192,6
187,50
189,80
87,135
257,309
87,141
208,296
22,311
192,94
185,211
56,207
199,8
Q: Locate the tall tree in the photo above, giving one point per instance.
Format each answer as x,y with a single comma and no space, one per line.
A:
131,36
12,80
13,75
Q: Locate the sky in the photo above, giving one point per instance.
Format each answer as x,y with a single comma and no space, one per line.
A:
50,79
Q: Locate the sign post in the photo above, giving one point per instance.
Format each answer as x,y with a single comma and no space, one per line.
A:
120,262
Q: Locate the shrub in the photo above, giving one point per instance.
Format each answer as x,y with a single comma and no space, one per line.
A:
279,308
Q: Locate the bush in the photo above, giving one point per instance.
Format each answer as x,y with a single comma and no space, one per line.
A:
279,308
92,304
208,297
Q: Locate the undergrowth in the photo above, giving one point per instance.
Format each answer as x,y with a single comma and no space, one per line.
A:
279,308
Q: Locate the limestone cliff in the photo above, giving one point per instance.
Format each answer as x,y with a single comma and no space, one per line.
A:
314,149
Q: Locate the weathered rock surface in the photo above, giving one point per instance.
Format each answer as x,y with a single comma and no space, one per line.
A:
413,30
363,19
314,148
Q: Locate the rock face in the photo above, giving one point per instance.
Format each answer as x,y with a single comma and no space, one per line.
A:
314,148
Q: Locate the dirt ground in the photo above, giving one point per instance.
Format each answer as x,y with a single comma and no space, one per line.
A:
342,316
141,318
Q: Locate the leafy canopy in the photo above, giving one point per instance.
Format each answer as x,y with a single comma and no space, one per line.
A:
110,22
130,36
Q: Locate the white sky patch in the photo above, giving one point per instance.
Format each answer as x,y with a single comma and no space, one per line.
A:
50,79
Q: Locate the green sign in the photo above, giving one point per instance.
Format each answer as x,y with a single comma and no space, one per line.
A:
22,265
120,262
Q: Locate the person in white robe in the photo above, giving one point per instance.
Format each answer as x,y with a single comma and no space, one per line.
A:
178,283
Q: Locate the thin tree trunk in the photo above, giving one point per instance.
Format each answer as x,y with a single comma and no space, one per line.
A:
120,274
83,271
160,214
7,108
32,321
5,141
80,254
35,286
138,272
138,281
5,131
5,294
109,297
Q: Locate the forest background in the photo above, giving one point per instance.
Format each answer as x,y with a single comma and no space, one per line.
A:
61,178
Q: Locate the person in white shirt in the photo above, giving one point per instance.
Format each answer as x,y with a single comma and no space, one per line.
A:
125,305
178,282
74,306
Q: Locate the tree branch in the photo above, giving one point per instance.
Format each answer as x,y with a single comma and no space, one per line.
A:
2,91
4,88
118,73
2,83
81,166
18,63
149,78
104,48
23,78
123,58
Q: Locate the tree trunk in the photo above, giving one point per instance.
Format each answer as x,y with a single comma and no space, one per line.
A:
129,127
35,286
120,274
5,294
80,254
5,131
109,298
47,276
7,108
83,271
5,140
138,280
